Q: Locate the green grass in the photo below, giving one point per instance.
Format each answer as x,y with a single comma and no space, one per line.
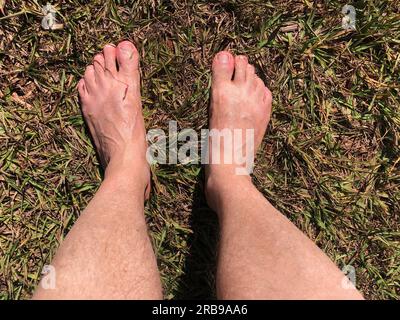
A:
330,161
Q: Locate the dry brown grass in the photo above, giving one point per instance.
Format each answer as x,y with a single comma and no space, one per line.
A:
330,160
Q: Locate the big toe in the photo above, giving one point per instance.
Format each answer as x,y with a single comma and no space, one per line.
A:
223,66
128,58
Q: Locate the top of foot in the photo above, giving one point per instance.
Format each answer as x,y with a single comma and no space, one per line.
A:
239,100
111,105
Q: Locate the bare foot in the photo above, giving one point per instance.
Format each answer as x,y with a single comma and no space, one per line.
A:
239,100
110,97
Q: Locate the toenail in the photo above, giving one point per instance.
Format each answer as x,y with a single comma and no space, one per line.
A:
223,57
127,52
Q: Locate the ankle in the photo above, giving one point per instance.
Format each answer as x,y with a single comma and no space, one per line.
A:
129,171
221,183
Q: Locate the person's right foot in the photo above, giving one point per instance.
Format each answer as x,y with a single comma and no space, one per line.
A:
239,100
110,97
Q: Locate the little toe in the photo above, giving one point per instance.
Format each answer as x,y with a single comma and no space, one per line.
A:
223,67
240,69
267,97
82,89
90,78
260,87
259,83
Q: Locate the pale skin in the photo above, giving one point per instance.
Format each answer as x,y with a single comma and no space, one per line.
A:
108,253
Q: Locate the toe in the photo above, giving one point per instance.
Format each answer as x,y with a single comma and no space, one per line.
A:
82,89
240,69
259,87
99,65
110,58
259,83
250,72
267,102
223,66
268,94
127,57
90,78
268,97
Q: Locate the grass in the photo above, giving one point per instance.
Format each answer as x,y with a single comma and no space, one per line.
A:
330,161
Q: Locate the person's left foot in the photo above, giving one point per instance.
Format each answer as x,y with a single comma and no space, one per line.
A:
110,97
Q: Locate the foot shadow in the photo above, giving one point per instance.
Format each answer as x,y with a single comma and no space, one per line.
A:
198,281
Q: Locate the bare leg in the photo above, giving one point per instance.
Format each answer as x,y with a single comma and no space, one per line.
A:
108,254
262,254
